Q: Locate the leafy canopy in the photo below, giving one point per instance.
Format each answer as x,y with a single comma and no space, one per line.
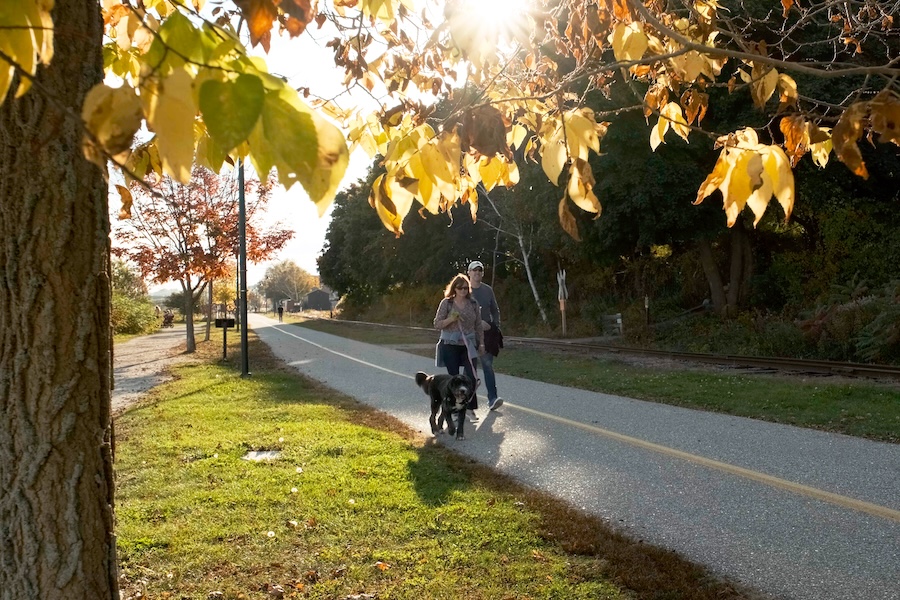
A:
189,79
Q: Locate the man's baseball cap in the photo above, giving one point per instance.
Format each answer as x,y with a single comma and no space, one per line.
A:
476,264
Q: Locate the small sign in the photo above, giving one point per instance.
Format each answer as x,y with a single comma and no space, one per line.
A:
224,323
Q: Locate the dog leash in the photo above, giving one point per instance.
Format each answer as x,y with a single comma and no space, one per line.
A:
469,358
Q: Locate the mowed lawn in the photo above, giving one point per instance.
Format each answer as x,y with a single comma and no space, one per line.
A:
355,505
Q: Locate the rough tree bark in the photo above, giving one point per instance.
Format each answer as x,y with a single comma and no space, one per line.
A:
713,277
56,483
727,301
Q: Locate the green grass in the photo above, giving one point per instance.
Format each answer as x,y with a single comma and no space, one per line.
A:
861,408
356,504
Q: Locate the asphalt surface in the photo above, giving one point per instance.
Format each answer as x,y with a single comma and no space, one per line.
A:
793,513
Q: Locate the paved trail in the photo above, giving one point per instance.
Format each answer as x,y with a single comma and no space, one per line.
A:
794,513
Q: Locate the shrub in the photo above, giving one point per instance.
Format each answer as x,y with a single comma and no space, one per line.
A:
132,316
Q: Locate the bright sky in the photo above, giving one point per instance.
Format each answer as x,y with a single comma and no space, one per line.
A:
305,62
294,210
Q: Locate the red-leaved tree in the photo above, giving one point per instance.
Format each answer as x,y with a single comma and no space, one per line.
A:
189,233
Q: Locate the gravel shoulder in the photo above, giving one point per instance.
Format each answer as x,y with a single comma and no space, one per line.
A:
143,363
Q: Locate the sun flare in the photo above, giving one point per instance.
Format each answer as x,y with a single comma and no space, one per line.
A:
497,12
482,27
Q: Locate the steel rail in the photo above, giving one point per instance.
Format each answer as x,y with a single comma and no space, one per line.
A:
783,364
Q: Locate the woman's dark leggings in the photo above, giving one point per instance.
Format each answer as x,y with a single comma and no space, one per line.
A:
455,356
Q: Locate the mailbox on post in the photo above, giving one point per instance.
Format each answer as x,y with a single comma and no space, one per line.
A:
224,324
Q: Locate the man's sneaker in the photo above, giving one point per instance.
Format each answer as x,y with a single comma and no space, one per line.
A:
495,404
472,416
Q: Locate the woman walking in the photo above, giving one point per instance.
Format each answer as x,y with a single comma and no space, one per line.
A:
458,318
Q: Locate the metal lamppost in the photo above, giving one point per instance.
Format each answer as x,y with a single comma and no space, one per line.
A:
242,269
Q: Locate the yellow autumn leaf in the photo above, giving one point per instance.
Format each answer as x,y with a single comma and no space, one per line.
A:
787,87
581,132
671,115
761,185
714,180
401,190
384,207
629,41
27,39
512,174
737,187
763,81
494,170
516,136
490,168
553,157
323,176
428,193
438,169
125,30
750,173
581,187
170,113
658,132
821,150
112,116
778,170
675,114
690,65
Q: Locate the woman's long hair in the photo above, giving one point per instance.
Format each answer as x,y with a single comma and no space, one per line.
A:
450,290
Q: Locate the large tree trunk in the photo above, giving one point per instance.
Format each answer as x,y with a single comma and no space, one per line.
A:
713,277
56,483
741,268
209,312
188,288
736,269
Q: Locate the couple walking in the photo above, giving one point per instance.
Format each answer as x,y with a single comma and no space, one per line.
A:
469,321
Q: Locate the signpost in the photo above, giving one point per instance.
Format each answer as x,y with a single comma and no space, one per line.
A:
563,296
224,324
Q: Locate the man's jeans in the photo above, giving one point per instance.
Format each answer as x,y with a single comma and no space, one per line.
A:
487,367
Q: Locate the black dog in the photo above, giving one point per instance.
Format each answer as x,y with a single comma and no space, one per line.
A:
449,395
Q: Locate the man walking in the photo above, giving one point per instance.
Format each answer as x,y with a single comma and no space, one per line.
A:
490,319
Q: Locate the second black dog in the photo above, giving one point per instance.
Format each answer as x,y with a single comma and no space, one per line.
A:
449,395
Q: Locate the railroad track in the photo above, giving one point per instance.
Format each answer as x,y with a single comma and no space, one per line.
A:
846,369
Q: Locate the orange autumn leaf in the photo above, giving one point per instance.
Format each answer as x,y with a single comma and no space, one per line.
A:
885,117
484,130
300,12
846,134
787,4
796,137
259,14
567,219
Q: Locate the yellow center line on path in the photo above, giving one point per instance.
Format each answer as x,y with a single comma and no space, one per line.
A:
776,482
797,488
